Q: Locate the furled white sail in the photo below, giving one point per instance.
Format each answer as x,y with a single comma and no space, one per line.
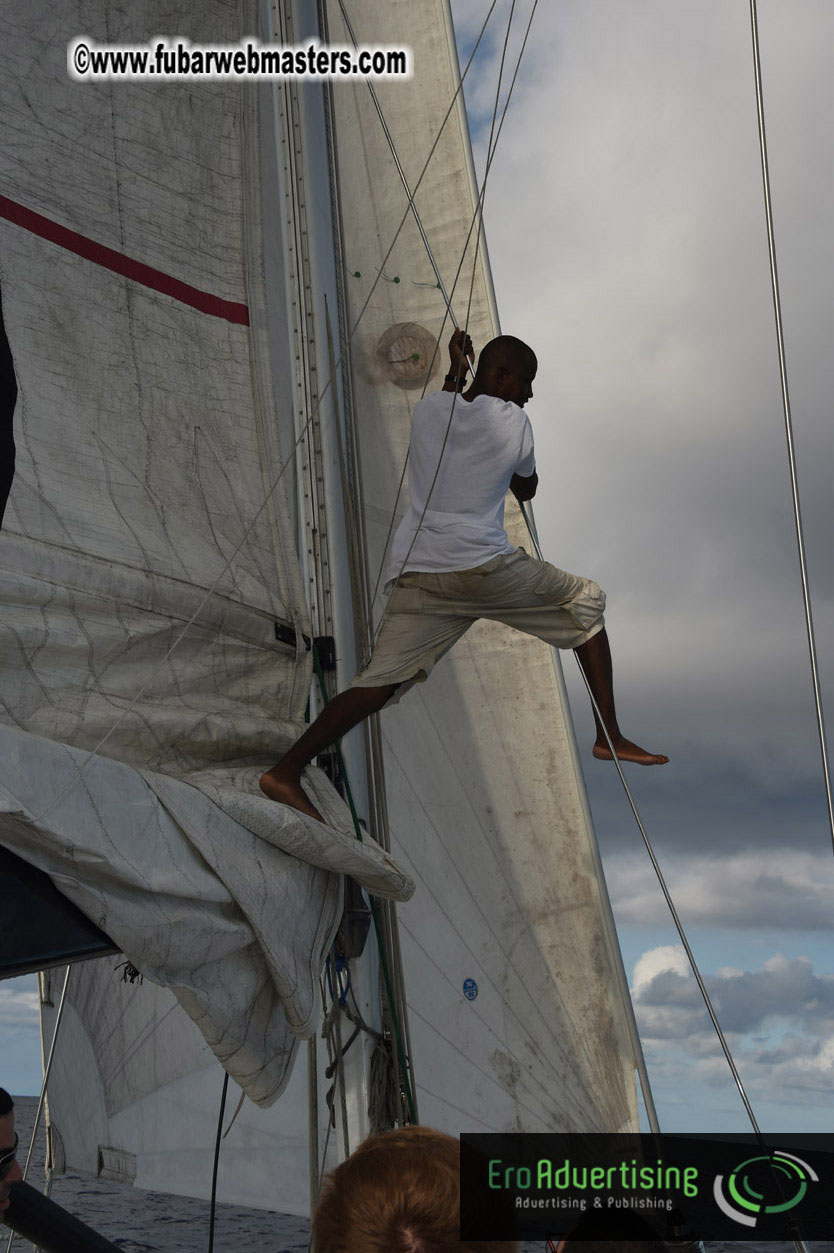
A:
151,433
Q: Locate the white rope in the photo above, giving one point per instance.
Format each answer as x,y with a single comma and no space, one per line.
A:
288,461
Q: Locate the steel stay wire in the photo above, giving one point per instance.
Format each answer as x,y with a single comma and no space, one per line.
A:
288,460
46,1073
786,406
668,897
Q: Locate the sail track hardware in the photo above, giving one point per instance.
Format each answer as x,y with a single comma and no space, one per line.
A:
797,1240
288,461
405,1068
47,1069
289,635
786,407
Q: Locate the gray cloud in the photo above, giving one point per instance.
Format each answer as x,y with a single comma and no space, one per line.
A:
682,1047
18,1009
786,889
669,1005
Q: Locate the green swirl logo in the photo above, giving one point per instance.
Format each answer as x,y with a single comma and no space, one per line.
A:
753,1189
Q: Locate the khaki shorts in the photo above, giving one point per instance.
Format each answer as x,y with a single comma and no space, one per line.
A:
427,613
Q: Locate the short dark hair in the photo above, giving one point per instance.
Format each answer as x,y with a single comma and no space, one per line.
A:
507,351
6,1103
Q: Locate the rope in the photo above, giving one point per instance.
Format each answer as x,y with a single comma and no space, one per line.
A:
338,1068
233,1118
786,406
478,216
478,208
288,460
331,1116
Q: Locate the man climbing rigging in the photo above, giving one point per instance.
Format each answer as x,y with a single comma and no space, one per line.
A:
452,563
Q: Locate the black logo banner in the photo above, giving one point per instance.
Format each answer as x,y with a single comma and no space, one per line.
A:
644,1187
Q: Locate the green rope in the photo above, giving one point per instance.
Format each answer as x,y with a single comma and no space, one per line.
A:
374,907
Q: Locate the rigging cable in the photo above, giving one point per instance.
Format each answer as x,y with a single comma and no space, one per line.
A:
400,170
275,482
478,211
786,406
46,1073
534,539
671,904
479,218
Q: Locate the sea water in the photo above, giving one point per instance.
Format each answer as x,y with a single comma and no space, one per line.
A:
154,1222
157,1222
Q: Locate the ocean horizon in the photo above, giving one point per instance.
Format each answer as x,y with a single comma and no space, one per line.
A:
160,1222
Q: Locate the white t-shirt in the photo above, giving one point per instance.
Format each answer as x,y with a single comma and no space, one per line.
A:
489,441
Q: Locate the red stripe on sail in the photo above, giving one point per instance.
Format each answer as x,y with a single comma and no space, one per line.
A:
231,310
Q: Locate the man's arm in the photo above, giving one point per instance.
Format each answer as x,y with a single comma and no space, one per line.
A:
460,347
524,488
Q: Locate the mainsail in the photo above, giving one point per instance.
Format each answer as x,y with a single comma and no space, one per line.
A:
202,488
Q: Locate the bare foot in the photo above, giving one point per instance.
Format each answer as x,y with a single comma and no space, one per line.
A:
627,751
288,791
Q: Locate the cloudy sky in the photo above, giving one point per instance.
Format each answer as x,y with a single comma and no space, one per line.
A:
626,230
627,239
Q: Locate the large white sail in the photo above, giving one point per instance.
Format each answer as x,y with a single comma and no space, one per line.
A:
173,424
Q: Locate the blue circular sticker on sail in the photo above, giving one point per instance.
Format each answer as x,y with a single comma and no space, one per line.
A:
470,989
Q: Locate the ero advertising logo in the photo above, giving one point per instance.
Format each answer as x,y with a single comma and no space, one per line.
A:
627,1186
771,1184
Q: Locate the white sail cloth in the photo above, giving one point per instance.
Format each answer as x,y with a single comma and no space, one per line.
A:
150,588
236,923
